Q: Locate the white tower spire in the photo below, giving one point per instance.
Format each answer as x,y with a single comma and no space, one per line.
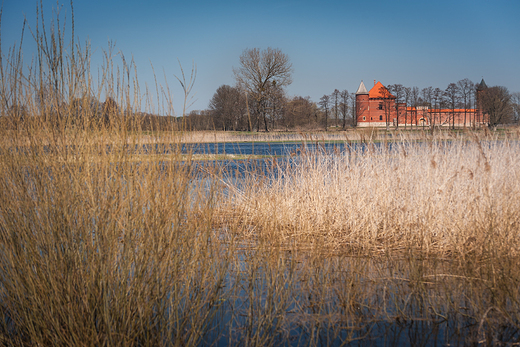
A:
362,89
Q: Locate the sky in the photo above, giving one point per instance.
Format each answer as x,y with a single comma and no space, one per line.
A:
331,44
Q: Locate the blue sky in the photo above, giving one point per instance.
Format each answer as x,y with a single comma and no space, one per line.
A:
331,44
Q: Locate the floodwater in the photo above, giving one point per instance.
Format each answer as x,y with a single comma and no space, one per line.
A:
248,148
361,302
387,308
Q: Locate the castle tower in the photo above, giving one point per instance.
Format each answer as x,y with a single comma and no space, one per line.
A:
361,104
481,87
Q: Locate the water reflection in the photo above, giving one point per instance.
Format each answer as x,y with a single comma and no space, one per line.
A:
281,299
247,148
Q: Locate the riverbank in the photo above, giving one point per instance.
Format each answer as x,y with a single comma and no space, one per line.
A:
352,135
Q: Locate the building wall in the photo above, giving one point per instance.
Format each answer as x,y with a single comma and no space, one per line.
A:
381,112
362,109
372,111
446,117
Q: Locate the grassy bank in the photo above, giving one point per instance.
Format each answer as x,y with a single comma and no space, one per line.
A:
354,135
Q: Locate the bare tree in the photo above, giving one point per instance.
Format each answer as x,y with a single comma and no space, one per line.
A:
427,95
200,120
344,106
398,91
87,111
335,102
300,111
437,101
496,103
414,99
258,70
452,96
228,108
466,89
111,111
515,99
276,104
325,105
407,98
353,109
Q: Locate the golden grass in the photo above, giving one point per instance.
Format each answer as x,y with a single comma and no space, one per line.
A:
433,196
410,240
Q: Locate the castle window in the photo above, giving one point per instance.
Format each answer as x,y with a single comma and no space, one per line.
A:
380,106
380,117
364,118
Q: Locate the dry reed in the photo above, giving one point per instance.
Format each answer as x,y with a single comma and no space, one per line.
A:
432,196
398,242
97,248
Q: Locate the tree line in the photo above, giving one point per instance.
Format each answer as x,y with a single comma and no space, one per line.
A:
259,102
89,112
501,106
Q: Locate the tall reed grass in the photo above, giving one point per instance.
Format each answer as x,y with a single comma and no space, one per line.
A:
394,243
414,237
434,196
96,247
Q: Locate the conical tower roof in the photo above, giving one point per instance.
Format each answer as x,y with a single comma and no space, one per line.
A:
362,89
482,85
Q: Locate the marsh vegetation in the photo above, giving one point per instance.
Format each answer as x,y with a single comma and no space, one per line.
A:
412,241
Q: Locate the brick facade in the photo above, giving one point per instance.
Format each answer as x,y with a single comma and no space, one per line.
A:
378,108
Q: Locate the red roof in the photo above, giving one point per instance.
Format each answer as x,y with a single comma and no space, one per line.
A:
380,91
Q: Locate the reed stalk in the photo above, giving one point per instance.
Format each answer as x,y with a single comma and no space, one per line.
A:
396,240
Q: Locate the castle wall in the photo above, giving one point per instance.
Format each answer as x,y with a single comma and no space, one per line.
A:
376,111
443,117
382,112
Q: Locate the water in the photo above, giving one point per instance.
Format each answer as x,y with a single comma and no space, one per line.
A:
387,311
290,308
245,148
391,311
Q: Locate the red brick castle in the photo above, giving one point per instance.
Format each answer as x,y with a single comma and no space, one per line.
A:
378,108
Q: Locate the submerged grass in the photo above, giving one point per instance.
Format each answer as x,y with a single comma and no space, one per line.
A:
409,242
